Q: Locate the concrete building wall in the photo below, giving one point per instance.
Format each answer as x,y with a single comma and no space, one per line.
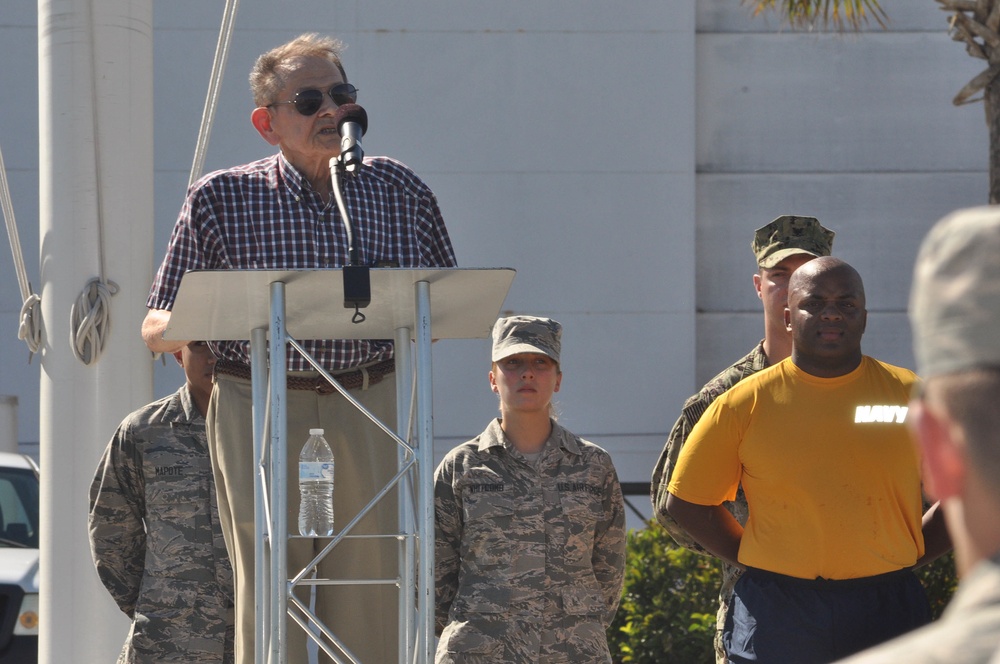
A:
19,142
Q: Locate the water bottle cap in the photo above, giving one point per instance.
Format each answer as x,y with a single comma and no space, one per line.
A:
315,432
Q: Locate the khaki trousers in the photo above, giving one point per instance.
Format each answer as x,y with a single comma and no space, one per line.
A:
363,617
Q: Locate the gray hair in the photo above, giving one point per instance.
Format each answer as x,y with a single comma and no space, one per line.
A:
267,77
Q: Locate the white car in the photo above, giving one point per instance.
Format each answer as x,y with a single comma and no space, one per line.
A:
18,558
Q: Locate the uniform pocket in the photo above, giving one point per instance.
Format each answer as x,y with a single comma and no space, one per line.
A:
581,512
179,540
462,643
582,601
488,520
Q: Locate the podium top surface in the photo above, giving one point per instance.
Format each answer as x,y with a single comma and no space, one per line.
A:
223,305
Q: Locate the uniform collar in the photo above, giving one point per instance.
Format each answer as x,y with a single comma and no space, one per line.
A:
190,411
494,437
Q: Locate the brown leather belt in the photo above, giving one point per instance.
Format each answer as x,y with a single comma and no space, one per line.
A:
351,380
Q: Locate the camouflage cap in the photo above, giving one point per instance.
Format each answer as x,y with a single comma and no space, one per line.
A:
955,297
526,334
789,235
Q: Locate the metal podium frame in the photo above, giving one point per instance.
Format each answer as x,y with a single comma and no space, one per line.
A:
277,307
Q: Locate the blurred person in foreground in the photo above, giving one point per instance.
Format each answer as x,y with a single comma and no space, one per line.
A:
281,213
955,314
779,248
529,522
154,527
819,444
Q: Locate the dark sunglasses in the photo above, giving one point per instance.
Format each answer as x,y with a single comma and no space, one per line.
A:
307,102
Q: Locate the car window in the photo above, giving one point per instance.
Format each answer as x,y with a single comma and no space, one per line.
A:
18,508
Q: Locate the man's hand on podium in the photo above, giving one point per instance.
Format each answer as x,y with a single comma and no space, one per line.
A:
153,327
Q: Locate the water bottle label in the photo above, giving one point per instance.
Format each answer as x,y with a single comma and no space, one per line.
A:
315,470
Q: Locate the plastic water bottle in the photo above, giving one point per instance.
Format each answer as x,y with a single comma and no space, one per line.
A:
316,486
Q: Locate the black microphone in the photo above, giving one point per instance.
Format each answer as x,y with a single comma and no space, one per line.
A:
352,123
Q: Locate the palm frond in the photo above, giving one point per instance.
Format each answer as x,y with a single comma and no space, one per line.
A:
843,15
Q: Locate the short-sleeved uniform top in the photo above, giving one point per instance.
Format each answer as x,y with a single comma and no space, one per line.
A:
830,472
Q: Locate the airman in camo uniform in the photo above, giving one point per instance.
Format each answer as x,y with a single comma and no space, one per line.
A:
154,528
955,315
530,522
779,247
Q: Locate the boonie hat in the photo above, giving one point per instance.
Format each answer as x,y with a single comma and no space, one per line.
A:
955,297
526,334
789,235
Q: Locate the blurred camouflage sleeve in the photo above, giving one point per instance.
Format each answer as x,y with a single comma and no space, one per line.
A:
447,541
693,409
662,473
116,528
609,545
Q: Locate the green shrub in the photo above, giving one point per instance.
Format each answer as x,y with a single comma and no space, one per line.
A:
667,613
940,580
668,608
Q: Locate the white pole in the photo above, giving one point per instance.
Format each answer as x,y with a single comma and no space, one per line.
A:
95,164
425,473
407,554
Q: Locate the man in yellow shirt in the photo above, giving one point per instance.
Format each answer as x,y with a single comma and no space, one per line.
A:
779,248
832,481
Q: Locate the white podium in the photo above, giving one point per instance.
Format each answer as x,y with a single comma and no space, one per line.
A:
274,309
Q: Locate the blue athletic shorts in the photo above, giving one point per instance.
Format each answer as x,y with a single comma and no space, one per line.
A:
778,619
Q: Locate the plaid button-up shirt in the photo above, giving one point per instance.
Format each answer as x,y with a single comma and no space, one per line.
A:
264,215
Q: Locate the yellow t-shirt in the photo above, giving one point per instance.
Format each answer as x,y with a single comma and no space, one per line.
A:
830,472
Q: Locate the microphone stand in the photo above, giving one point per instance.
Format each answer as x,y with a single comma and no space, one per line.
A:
357,280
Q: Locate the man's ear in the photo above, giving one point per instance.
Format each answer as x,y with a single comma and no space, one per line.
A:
943,451
788,319
260,117
177,356
757,283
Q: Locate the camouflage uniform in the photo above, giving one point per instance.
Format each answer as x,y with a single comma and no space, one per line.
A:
530,556
693,409
156,540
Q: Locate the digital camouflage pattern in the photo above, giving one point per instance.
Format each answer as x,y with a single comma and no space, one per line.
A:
156,540
529,555
526,334
955,298
789,235
692,411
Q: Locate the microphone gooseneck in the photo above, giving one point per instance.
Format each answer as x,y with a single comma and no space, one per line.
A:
352,123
